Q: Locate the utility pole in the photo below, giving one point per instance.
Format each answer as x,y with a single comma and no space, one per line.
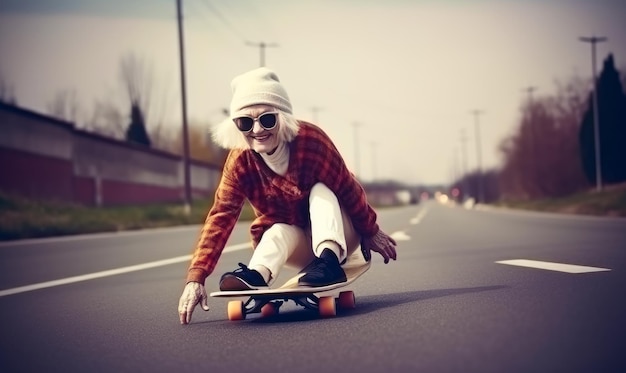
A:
596,121
314,111
532,169
181,46
261,47
529,91
356,126
477,114
455,166
464,163
373,145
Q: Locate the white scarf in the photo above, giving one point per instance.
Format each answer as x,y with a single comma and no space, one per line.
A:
279,160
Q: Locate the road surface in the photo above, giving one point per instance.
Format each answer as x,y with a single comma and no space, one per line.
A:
481,290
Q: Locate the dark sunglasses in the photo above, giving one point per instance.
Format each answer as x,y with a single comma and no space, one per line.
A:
266,120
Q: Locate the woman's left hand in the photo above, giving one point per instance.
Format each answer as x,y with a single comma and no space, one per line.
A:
382,244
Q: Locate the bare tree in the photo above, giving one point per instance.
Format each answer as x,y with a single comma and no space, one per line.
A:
111,115
568,109
201,147
161,137
64,106
107,120
136,78
542,159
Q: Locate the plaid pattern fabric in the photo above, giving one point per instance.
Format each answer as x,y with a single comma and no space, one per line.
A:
278,199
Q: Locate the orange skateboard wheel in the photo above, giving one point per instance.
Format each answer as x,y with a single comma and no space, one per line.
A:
327,307
346,300
236,310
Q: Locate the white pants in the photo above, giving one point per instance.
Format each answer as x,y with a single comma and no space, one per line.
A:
284,244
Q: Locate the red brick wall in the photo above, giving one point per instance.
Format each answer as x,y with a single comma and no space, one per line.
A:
45,158
120,193
85,191
34,176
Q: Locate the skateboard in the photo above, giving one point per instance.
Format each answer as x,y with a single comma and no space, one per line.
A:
268,301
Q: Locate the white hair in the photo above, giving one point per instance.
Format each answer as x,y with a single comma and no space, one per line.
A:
227,135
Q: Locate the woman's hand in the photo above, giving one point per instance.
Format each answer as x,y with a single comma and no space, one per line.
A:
382,244
193,294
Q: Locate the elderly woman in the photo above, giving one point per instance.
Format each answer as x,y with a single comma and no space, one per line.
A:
311,212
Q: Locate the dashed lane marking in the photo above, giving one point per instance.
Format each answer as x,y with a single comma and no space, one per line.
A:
400,236
417,219
550,266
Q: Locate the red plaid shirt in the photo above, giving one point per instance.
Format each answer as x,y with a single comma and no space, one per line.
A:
278,199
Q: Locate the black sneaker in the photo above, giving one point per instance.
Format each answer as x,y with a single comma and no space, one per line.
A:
243,278
323,271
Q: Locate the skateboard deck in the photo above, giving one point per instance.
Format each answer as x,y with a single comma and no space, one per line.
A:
268,301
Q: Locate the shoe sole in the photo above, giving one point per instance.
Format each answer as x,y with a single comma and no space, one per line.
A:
234,283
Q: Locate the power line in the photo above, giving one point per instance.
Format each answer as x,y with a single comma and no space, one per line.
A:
261,45
224,20
203,15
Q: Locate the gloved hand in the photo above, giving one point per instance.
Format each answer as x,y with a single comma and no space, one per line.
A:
193,294
382,244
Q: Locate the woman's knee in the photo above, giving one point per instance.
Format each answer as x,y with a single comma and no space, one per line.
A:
276,230
322,191
320,188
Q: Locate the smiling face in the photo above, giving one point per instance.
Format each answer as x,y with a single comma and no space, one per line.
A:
259,139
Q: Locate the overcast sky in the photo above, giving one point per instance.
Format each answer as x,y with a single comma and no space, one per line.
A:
409,72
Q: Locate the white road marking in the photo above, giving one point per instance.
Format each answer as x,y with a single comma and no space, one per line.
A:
111,272
400,236
236,247
416,220
550,266
92,236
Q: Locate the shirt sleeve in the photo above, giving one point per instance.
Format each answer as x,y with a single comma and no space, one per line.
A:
218,225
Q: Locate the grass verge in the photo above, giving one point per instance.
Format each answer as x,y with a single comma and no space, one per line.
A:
21,218
611,201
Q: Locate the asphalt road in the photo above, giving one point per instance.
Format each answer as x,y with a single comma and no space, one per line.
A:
109,302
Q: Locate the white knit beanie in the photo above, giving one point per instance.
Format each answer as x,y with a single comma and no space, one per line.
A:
258,86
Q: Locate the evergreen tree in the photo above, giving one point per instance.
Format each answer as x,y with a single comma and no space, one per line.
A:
612,120
136,132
